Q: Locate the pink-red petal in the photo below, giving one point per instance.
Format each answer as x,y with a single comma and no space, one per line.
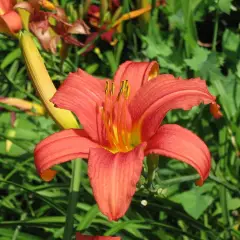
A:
113,178
79,236
215,110
137,74
91,38
108,36
162,94
61,147
82,93
13,21
79,27
71,40
5,6
174,141
25,5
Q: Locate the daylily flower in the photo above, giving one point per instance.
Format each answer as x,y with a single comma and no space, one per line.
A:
122,124
79,236
10,21
50,34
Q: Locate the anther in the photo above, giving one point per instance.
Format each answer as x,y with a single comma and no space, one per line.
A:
107,87
126,89
112,89
121,90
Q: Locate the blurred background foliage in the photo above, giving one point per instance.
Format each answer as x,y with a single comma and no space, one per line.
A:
197,38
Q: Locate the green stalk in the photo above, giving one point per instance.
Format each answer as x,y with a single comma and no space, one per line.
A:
154,3
190,27
62,3
227,185
152,163
225,213
224,161
214,42
73,198
126,7
103,10
178,180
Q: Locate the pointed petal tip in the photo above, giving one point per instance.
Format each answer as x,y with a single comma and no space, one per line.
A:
215,110
199,182
48,175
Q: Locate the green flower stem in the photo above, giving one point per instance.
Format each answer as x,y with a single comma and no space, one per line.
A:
214,42
181,179
225,213
73,198
227,185
152,163
153,6
126,6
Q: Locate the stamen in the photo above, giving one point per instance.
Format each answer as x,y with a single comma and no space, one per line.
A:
119,125
127,91
107,87
121,90
112,89
108,129
125,127
99,118
114,117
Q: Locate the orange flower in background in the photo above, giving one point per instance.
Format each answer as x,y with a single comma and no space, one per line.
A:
79,236
50,34
122,121
10,21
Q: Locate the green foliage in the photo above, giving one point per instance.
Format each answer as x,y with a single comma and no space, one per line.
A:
225,6
181,38
196,201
